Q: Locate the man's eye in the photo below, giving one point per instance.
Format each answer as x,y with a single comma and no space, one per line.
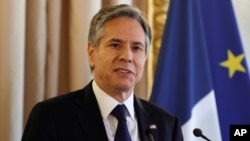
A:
115,45
137,48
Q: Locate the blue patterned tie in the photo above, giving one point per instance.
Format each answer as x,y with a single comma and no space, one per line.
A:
121,133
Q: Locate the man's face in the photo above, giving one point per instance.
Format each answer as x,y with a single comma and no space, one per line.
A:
119,59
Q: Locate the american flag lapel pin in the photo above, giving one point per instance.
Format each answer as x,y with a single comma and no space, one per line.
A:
152,126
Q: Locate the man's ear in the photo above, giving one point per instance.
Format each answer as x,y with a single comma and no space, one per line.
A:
91,54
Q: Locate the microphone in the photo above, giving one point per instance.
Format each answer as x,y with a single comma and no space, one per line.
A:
149,134
198,133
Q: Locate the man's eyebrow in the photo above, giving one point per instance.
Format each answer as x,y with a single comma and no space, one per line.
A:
115,40
120,41
137,43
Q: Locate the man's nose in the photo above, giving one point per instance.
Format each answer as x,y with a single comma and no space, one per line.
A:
126,54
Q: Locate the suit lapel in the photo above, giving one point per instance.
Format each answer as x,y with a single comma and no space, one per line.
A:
143,118
90,116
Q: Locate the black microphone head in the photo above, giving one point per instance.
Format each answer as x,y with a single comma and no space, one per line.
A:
197,132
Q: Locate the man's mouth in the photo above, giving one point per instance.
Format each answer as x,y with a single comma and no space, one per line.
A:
124,71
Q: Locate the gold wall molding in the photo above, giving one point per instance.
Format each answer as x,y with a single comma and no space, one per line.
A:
157,14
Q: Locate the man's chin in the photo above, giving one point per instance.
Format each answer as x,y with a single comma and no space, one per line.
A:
124,86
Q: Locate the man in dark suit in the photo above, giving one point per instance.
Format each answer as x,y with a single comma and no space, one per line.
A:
119,40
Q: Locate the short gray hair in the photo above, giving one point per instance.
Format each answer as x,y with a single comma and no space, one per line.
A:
108,13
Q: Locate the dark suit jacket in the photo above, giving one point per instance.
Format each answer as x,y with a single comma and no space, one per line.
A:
76,117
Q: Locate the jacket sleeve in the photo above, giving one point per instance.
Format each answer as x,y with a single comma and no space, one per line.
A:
40,126
177,136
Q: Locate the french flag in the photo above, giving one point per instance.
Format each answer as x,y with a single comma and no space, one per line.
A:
202,75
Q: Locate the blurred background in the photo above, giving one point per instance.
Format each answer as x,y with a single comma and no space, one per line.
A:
43,46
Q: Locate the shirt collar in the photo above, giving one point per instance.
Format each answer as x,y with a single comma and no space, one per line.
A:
107,103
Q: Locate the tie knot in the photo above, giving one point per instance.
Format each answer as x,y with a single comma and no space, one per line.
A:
119,112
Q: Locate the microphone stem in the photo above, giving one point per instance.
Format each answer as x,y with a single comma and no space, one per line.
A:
204,137
151,137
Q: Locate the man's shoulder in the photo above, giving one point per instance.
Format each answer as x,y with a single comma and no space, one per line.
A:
155,109
69,97
57,103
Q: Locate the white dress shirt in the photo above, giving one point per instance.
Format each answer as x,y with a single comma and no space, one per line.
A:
107,104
